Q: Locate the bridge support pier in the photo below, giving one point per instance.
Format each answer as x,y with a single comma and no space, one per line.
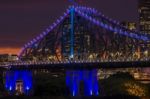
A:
18,82
89,79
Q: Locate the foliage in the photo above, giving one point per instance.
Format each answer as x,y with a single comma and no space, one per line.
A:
123,83
2,90
50,85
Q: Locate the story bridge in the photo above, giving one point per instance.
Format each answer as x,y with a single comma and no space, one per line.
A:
82,38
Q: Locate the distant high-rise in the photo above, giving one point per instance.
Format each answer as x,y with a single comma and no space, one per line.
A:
144,16
144,23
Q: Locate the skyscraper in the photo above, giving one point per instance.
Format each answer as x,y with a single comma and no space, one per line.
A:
144,23
144,16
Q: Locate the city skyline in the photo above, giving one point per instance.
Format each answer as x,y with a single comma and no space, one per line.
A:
23,20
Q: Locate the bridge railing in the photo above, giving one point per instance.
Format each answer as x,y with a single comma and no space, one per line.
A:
20,63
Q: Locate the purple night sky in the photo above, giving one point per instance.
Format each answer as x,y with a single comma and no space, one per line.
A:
21,20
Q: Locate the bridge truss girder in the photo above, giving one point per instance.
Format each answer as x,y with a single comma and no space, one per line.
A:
91,42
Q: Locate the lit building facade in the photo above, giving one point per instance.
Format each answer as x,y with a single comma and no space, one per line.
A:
8,58
144,16
144,22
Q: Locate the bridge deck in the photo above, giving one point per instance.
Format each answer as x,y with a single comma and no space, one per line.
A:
80,65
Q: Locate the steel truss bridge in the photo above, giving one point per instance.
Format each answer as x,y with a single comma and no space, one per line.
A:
82,38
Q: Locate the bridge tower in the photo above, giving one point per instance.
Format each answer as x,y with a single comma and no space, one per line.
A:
82,82
18,82
75,77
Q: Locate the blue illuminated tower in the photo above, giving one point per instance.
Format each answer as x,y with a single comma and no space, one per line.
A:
11,78
89,79
75,77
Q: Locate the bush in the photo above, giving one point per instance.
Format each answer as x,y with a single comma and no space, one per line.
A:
123,83
49,85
